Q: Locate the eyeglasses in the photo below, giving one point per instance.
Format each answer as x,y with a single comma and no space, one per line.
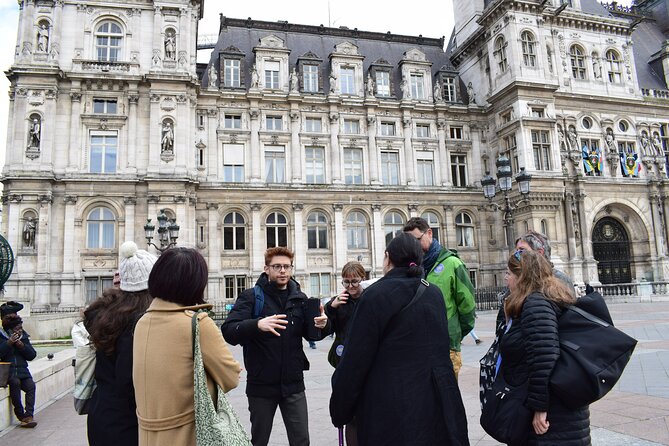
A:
353,283
276,268
421,235
518,253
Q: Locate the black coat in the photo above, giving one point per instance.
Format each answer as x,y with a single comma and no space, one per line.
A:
529,351
112,418
18,357
274,364
339,318
395,376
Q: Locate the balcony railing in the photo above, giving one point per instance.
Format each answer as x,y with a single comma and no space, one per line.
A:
103,65
655,93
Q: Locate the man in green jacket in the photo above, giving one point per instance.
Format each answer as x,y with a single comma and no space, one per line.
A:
444,269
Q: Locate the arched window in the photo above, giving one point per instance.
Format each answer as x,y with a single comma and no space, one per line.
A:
529,46
577,56
234,232
356,230
108,39
432,220
464,230
393,223
277,230
500,54
101,225
613,67
317,231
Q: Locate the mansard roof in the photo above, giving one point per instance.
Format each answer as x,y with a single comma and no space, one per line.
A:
245,34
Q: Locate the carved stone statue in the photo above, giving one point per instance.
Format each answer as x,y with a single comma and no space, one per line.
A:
572,137
254,77
471,94
170,47
167,140
370,85
29,229
406,90
646,149
437,92
43,39
596,66
35,133
561,138
213,77
657,144
333,81
610,141
294,87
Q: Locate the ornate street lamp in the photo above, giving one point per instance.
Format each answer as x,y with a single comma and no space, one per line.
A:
504,182
167,233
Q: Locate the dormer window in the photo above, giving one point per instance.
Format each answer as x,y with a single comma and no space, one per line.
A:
347,75
449,89
383,83
272,75
231,77
417,85
310,78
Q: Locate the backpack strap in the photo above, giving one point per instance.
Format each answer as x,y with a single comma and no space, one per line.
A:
260,301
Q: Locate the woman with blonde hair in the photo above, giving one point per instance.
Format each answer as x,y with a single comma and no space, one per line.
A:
530,346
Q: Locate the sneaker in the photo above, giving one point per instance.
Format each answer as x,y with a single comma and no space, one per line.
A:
28,422
478,341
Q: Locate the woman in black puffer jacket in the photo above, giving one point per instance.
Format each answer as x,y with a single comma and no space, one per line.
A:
530,348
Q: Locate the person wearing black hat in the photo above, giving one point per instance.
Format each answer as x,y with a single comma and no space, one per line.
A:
16,349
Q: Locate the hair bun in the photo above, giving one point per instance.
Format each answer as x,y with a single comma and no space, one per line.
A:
128,249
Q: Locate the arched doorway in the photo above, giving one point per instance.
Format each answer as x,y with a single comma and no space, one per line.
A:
612,250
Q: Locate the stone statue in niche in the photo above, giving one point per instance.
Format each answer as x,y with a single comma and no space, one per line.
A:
437,92
255,78
43,38
646,149
293,81
657,144
213,77
370,85
333,81
471,94
610,141
406,90
170,46
35,132
29,230
596,66
561,138
167,140
572,137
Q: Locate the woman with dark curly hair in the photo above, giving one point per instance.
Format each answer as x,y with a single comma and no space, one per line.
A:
110,321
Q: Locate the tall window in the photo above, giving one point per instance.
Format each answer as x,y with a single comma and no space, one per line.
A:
272,74
464,230
449,89
233,121
233,163
101,225
319,284
105,106
234,285
277,230
273,123
383,83
275,164
541,149
95,286
108,39
231,69
459,170
351,126
314,158
317,231
347,80
425,165
613,67
310,78
390,168
455,132
352,166
313,125
234,232
529,46
104,147
577,56
511,146
356,230
432,220
392,225
422,130
417,85
500,54
387,128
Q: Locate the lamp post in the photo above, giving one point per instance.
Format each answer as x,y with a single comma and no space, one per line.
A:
167,233
504,181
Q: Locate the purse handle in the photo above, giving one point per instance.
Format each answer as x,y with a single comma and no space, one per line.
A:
193,326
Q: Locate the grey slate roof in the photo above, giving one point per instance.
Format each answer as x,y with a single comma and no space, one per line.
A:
648,40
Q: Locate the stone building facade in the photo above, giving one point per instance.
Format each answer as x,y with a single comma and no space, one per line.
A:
327,140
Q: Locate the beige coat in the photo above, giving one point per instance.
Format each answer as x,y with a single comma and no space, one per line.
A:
162,371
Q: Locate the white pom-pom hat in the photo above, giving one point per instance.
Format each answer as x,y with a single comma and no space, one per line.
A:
135,267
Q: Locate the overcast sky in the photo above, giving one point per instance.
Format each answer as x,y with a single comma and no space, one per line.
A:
431,19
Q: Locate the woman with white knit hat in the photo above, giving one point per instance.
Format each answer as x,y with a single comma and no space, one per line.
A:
111,320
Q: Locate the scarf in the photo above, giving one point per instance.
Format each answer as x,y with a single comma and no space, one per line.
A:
431,256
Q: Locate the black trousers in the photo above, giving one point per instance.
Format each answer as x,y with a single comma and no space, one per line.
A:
293,411
16,385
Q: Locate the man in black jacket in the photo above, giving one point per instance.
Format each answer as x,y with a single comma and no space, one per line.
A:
269,321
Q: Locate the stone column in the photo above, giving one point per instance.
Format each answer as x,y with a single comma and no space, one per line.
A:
444,162
298,232
374,155
409,158
258,246
43,236
19,30
74,146
339,239
184,148
14,219
295,147
335,152
133,99
155,125
56,30
157,55
214,241
67,294
570,204
255,146
378,238
28,30
130,220
213,146
448,237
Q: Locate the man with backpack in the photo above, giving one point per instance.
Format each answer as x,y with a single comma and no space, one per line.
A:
269,321
444,269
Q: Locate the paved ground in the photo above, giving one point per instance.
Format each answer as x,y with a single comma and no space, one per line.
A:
636,413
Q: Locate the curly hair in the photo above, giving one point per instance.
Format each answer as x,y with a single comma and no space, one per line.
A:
534,273
112,314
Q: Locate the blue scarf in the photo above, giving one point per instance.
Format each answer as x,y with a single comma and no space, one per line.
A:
431,256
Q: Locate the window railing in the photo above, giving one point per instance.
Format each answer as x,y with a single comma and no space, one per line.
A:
655,93
103,65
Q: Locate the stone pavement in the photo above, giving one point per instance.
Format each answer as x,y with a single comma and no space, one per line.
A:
635,413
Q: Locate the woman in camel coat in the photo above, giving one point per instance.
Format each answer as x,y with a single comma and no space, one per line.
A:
163,351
